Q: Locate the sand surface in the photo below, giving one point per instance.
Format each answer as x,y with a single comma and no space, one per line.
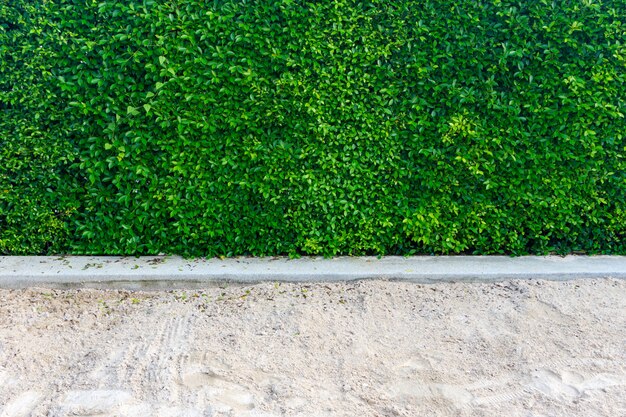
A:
371,348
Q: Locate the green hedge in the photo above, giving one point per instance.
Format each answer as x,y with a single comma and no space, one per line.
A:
312,127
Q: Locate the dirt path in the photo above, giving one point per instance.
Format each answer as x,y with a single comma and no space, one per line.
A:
375,348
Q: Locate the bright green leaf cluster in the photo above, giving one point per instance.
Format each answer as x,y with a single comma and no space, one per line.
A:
263,127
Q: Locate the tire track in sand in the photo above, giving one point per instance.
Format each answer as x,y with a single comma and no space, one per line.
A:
153,364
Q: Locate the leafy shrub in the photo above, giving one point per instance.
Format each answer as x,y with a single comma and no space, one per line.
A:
33,152
312,127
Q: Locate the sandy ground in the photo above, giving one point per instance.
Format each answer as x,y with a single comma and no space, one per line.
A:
372,348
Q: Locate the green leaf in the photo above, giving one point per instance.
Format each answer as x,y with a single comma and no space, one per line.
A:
482,127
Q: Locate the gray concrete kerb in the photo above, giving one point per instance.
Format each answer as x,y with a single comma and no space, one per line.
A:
168,272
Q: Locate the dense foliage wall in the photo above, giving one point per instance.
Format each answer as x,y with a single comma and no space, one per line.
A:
312,127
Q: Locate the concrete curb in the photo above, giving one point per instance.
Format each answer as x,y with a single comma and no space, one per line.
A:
167,272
